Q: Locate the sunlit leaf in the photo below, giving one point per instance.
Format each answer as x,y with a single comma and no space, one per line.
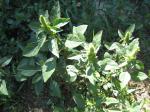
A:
131,28
142,76
3,88
132,49
90,75
72,44
60,22
76,38
124,77
111,100
111,65
121,35
79,29
27,68
139,65
53,47
77,57
48,68
72,72
5,61
32,49
97,39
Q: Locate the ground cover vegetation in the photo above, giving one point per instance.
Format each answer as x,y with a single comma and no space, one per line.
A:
74,56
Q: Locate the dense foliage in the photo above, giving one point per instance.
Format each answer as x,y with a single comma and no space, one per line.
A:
61,64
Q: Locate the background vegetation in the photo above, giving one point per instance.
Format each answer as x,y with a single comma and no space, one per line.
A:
19,23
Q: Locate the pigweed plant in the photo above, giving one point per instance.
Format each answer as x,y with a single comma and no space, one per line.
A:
77,79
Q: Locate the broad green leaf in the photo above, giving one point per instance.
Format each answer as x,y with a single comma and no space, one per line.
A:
79,29
48,68
142,76
132,49
121,35
131,28
90,74
72,72
28,68
111,65
123,64
89,71
72,44
108,55
124,77
76,38
55,12
36,78
119,48
53,47
60,22
78,98
54,89
111,100
92,79
104,61
77,57
5,61
139,65
29,71
97,40
32,49
133,46
115,46
3,88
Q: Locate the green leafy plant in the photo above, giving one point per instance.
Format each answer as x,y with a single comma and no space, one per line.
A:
95,84
78,71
